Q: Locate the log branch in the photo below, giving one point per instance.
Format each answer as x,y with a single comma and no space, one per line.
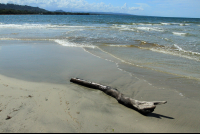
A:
143,107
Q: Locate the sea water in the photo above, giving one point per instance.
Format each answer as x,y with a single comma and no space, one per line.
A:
163,44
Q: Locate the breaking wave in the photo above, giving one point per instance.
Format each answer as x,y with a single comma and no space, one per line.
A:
150,29
26,39
71,44
172,50
41,26
180,34
178,51
161,24
136,29
24,26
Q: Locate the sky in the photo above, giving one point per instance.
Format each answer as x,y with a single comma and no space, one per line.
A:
166,8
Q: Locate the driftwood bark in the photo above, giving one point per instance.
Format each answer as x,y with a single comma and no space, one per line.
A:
143,107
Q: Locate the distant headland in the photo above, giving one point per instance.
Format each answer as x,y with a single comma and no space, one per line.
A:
14,9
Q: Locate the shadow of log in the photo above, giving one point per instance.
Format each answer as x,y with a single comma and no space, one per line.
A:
142,107
159,116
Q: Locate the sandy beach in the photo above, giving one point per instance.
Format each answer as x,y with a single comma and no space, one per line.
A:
44,100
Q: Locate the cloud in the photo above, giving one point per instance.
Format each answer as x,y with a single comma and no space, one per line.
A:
135,8
78,5
125,7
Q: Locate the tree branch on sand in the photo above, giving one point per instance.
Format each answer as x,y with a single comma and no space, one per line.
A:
143,107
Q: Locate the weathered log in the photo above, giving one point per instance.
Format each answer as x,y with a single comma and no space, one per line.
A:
143,107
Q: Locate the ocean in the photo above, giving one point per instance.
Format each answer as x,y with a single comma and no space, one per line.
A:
163,44
145,58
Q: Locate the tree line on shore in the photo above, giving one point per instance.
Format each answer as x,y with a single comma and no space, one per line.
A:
8,9
19,12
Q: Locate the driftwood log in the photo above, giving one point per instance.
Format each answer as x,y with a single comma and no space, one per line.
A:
143,107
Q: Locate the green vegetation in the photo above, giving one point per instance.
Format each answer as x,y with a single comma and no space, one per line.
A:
19,12
12,11
7,9
23,8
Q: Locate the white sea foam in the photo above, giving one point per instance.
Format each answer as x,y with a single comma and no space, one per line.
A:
118,45
40,26
150,24
178,47
131,28
151,29
70,44
146,24
24,26
183,24
176,23
123,27
180,24
8,39
167,39
27,39
178,51
179,34
166,23
67,26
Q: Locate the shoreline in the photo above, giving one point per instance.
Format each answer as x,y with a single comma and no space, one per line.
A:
38,105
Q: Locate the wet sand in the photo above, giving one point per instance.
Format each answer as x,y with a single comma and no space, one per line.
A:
36,93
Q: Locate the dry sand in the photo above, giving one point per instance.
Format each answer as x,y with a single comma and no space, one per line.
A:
50,107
